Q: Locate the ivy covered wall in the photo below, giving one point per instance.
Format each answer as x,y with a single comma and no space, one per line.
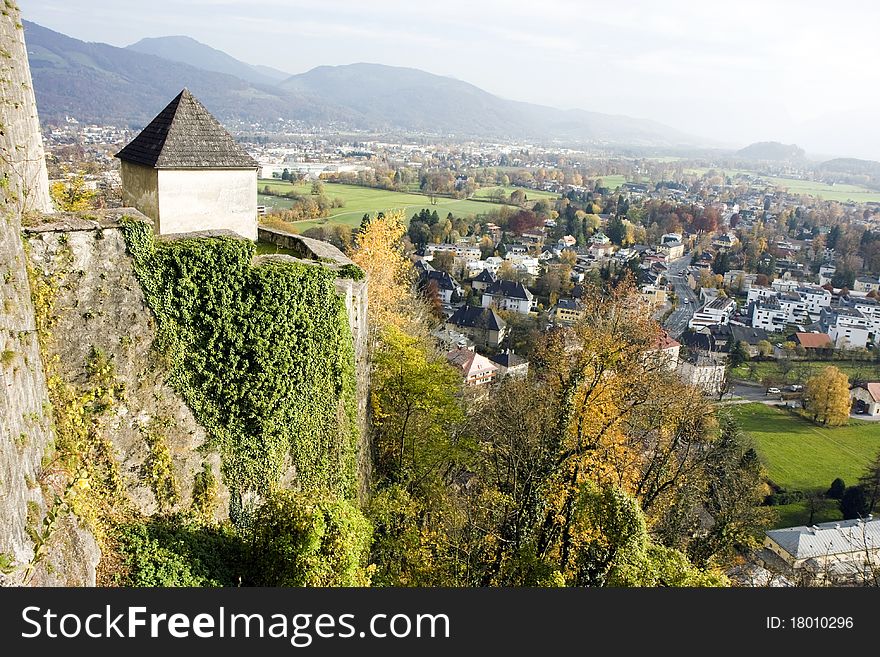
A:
263,355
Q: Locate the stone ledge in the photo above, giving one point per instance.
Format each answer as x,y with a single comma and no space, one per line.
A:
305,247
68,222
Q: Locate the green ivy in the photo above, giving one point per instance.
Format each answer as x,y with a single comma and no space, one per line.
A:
263,355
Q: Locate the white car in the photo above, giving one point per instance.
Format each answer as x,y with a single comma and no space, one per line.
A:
687,301
773,391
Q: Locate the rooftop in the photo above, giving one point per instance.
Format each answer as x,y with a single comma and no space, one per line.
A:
185,135
829,538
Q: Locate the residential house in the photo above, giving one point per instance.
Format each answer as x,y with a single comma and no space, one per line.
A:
672,250
826,273
508,295
866,398
566,242
725,241
451,339
866,284
483,280
813,342
847,327
705,372
599,250
568,311
668,351
717,311
482,325
509,364
726,336
447,287
477,370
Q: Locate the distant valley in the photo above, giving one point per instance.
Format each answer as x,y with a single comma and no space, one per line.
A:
96,82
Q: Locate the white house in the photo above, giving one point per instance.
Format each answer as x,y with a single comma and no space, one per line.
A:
847,327
866,284
705,373
826,273
508,295
186,173
848,550
866,398
717,311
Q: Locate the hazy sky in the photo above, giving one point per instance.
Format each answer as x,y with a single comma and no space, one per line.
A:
742,71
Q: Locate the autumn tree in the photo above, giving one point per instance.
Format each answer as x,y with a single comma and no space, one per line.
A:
73,195
379,252
826,397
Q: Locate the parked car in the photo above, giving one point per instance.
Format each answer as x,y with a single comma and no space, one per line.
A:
795,387
774,391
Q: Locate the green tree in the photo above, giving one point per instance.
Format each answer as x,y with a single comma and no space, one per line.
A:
414,406
838,487
309,540
854,503
739,354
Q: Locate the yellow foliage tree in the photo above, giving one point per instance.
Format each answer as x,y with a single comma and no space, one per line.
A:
827,397
72,196
378,250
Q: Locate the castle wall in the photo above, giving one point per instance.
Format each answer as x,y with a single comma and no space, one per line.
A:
208,199
140,189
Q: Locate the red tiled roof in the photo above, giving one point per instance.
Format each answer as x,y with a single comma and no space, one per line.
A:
813,340
873,390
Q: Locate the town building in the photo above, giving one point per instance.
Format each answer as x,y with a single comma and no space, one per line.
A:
847,327
477,370
847,551
509,364
508,295
482,325
717,311
568,311
866,398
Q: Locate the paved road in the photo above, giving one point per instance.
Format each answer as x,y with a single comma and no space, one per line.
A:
677,322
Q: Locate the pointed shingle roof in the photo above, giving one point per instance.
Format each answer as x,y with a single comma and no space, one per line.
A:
185,135
477,317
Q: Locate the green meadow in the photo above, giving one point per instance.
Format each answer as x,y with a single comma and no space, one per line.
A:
365,200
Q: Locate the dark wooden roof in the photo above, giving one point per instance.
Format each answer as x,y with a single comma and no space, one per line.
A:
185,135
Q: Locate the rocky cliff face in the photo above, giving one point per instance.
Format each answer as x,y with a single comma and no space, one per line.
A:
99,309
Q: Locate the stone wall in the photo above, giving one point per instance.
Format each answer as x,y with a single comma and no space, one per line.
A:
356,297
99,306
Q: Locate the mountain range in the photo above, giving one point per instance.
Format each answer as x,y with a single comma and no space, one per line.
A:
100,83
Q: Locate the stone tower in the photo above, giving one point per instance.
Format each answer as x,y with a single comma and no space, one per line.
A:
187,173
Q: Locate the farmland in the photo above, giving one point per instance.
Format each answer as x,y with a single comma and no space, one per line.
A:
801,456
362,200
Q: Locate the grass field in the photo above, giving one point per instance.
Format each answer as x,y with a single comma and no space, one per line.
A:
531,194
828,192
613,182
820,190
361,200
802,370
800,455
